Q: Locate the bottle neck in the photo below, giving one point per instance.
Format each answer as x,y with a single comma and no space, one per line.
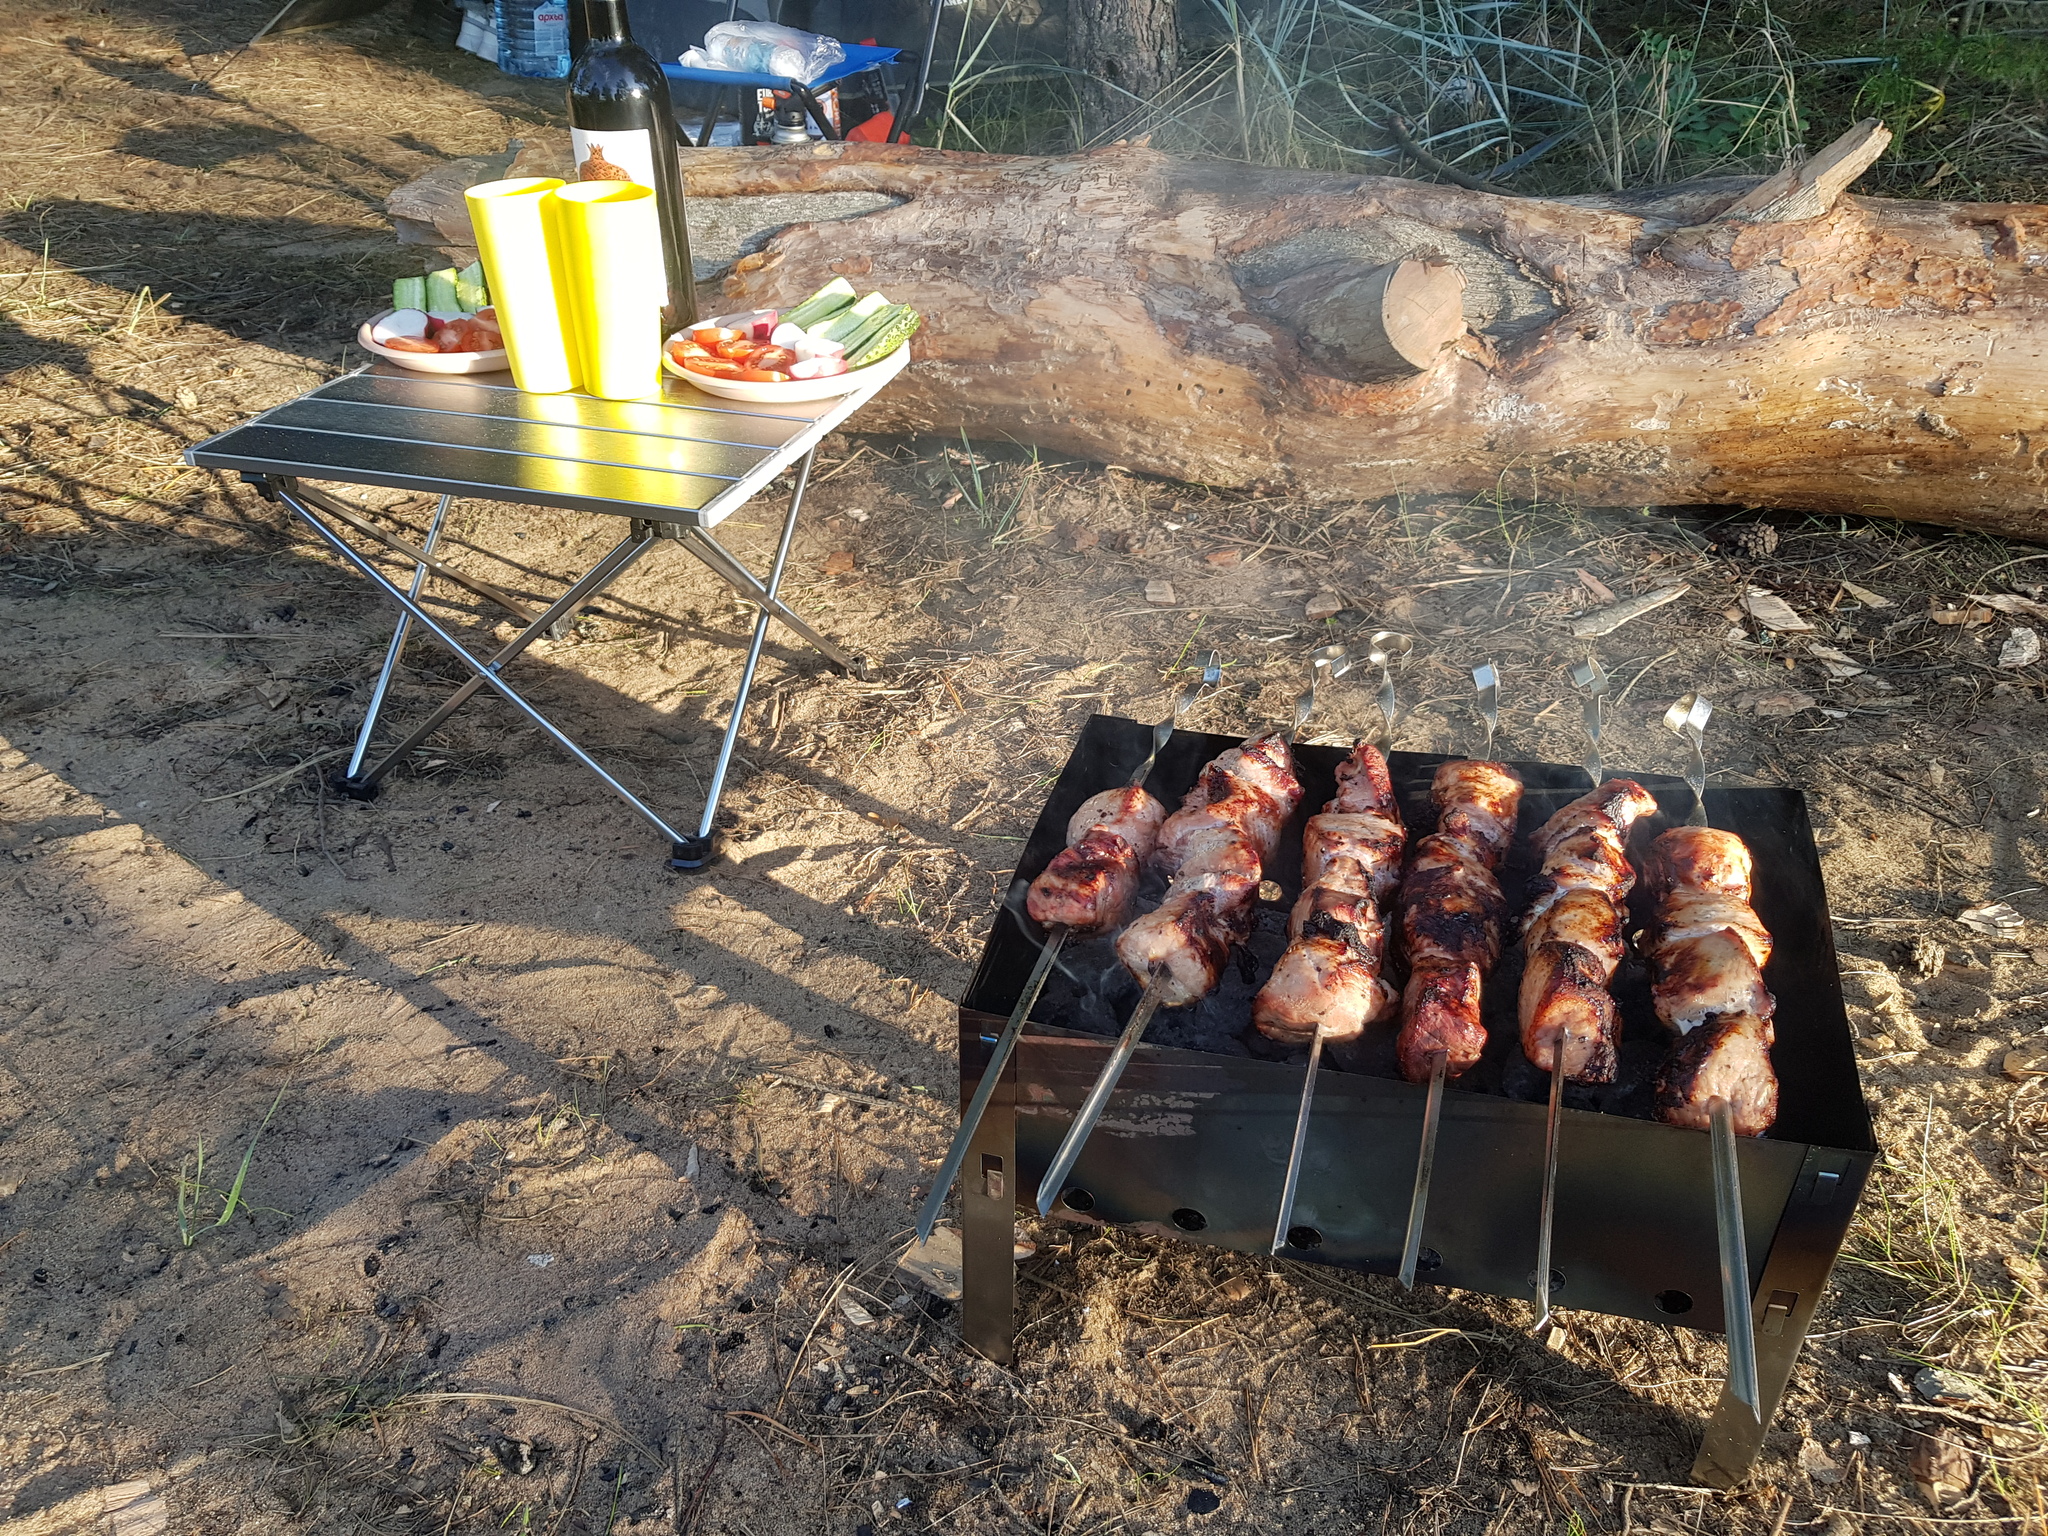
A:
604,21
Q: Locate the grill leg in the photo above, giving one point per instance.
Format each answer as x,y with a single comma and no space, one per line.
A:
1786,1297
988,1227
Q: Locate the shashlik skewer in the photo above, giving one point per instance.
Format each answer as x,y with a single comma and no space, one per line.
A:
1087,888
1572,934
1215,849
1451,913
1327,985
1707,950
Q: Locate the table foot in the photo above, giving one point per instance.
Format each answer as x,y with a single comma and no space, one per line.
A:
693,852
352,789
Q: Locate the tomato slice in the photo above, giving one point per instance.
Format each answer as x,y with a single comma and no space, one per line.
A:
780,359
714,367
737,349
709,336
763,375
409,344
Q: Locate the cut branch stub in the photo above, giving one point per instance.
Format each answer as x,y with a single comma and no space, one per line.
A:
1390,323
1809,189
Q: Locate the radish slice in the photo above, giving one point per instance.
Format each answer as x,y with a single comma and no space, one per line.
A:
811,346
787,335
817,368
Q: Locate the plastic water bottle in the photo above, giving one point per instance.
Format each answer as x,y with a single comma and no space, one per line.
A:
533,38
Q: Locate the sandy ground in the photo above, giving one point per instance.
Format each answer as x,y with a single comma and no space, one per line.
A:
551,1170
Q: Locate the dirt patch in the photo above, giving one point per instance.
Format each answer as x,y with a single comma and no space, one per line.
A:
443,1164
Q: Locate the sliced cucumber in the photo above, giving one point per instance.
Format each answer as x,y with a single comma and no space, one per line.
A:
828,300
877,324
852,318
901,325
409,293
442,298
470,292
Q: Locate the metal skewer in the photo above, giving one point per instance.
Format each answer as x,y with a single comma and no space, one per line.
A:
1486,683
1331,658
1055,940
1338,665
1735,1303
1546,1219
1486,687
1425,1166
1590,678
1388,649
1098,1096
1688,718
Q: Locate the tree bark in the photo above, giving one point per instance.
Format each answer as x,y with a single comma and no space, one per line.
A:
1122,49
1886,358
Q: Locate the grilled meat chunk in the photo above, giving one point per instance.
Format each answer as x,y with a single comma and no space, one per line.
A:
1728,1057
1329,977
1089,884
1572,931
1215,847
1452,913
1707,951
1130,813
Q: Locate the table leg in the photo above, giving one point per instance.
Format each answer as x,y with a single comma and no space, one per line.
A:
487,672
696,852
735,575
419,580
616,559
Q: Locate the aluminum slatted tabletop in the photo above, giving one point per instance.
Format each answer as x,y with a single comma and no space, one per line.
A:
673,466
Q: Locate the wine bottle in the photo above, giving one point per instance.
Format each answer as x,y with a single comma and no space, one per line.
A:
623,128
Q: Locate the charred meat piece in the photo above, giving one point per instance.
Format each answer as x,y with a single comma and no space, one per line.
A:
1452,914
1089,884
1329,976
1728,1057
1707,951
1215,848
1440,1012
1572,931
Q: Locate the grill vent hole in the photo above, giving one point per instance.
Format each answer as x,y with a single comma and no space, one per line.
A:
1078,1200
1427,1259
1304,1237
1189,1220
1673,1302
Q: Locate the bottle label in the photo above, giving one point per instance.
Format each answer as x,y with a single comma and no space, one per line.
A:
551,29
625,154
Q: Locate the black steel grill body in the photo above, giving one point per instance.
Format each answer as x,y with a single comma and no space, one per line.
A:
1195,1142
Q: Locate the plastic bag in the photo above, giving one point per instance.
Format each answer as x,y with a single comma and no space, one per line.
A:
762,48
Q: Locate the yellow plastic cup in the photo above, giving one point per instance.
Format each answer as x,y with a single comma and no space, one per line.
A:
612,241
519,240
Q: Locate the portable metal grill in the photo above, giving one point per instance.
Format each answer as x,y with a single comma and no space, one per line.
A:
1195,1143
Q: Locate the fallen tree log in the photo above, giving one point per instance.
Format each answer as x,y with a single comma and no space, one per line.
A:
1859,356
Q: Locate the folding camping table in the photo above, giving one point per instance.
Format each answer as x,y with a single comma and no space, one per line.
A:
673,465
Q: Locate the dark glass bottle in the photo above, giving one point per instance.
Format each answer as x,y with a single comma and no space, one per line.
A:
624,129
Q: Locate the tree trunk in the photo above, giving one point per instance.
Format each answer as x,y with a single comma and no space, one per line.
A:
1123,49
1876,357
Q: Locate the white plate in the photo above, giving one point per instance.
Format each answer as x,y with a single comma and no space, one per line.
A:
430,362
795,392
